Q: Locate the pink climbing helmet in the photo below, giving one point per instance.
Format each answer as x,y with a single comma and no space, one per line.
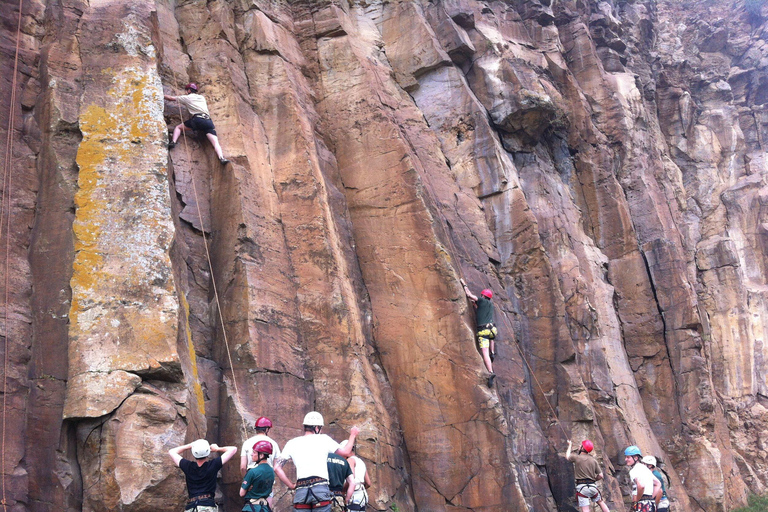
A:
487,293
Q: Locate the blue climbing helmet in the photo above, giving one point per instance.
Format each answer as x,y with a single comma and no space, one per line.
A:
632,450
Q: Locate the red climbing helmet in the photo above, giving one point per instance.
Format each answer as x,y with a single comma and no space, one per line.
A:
191,87
263,422
263,447
587,445
487,293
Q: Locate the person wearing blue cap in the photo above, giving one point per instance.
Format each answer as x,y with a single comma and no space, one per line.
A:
645,486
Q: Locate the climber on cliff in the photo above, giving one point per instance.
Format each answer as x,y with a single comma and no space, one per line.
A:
340,478
486,330
257,484
309,454
361,481
587,473
200,121
645,486
262,426
201,474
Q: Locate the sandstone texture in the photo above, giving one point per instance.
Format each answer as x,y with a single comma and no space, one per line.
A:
600,164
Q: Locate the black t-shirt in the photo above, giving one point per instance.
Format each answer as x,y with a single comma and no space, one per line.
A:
484,313
338,471
201,479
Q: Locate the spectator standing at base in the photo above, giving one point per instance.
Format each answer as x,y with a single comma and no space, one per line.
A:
339,479
644,485
262,425
309,454
662,504
587,473
257,485
361,481
201,474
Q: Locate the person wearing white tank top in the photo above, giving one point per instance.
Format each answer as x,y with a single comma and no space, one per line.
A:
362,482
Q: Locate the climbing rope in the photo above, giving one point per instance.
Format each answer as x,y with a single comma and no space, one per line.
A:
210,264
530,370
7,188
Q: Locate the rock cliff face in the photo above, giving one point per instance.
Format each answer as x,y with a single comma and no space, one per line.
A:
601,165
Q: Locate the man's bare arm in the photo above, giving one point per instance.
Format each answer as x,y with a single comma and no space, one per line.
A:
347,450
175,453
469,294
279,463
169,98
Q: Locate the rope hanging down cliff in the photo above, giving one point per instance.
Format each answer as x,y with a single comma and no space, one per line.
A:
210,265
7,189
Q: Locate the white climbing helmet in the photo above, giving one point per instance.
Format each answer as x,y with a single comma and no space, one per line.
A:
649,460
200,449
314,419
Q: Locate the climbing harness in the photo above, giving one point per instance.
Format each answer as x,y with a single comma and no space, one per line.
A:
210,264
7,189
308,483
262,502
488,331
646,504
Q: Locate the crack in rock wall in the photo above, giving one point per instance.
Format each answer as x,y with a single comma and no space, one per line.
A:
600,164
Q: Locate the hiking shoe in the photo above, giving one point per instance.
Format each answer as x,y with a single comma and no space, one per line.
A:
223,161
490,379
171,145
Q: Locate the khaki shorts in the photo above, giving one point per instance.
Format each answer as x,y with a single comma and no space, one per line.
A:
485,335
587,493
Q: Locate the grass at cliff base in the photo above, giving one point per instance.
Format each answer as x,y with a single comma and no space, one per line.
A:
756,504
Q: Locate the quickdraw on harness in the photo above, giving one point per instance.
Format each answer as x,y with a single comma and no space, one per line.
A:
307,483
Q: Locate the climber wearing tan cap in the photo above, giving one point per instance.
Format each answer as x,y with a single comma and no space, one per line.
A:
200,121
587,472
201,474
486,330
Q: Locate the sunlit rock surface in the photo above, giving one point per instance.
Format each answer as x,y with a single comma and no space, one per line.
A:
601,165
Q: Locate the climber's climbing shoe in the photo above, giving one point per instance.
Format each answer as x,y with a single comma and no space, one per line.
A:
223,161
490,379
171,145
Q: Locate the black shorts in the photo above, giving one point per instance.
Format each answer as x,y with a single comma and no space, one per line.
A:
200,124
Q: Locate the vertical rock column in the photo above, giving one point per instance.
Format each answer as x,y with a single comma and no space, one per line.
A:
125,314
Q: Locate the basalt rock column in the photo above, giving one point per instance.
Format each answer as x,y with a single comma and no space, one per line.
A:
454,427
332,301
125,388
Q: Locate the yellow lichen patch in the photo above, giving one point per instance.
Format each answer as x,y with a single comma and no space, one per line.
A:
122,272
198,389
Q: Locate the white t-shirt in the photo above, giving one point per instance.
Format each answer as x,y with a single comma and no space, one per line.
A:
644,476
194,103
360,495
248,449
310,454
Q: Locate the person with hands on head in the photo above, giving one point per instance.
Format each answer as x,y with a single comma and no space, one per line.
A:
257,485
587,473
201,474
309,454
485,328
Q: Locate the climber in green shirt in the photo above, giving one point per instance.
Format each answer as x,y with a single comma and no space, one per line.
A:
486,330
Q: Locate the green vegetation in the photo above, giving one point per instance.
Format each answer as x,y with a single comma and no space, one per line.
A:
756,504
394,508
